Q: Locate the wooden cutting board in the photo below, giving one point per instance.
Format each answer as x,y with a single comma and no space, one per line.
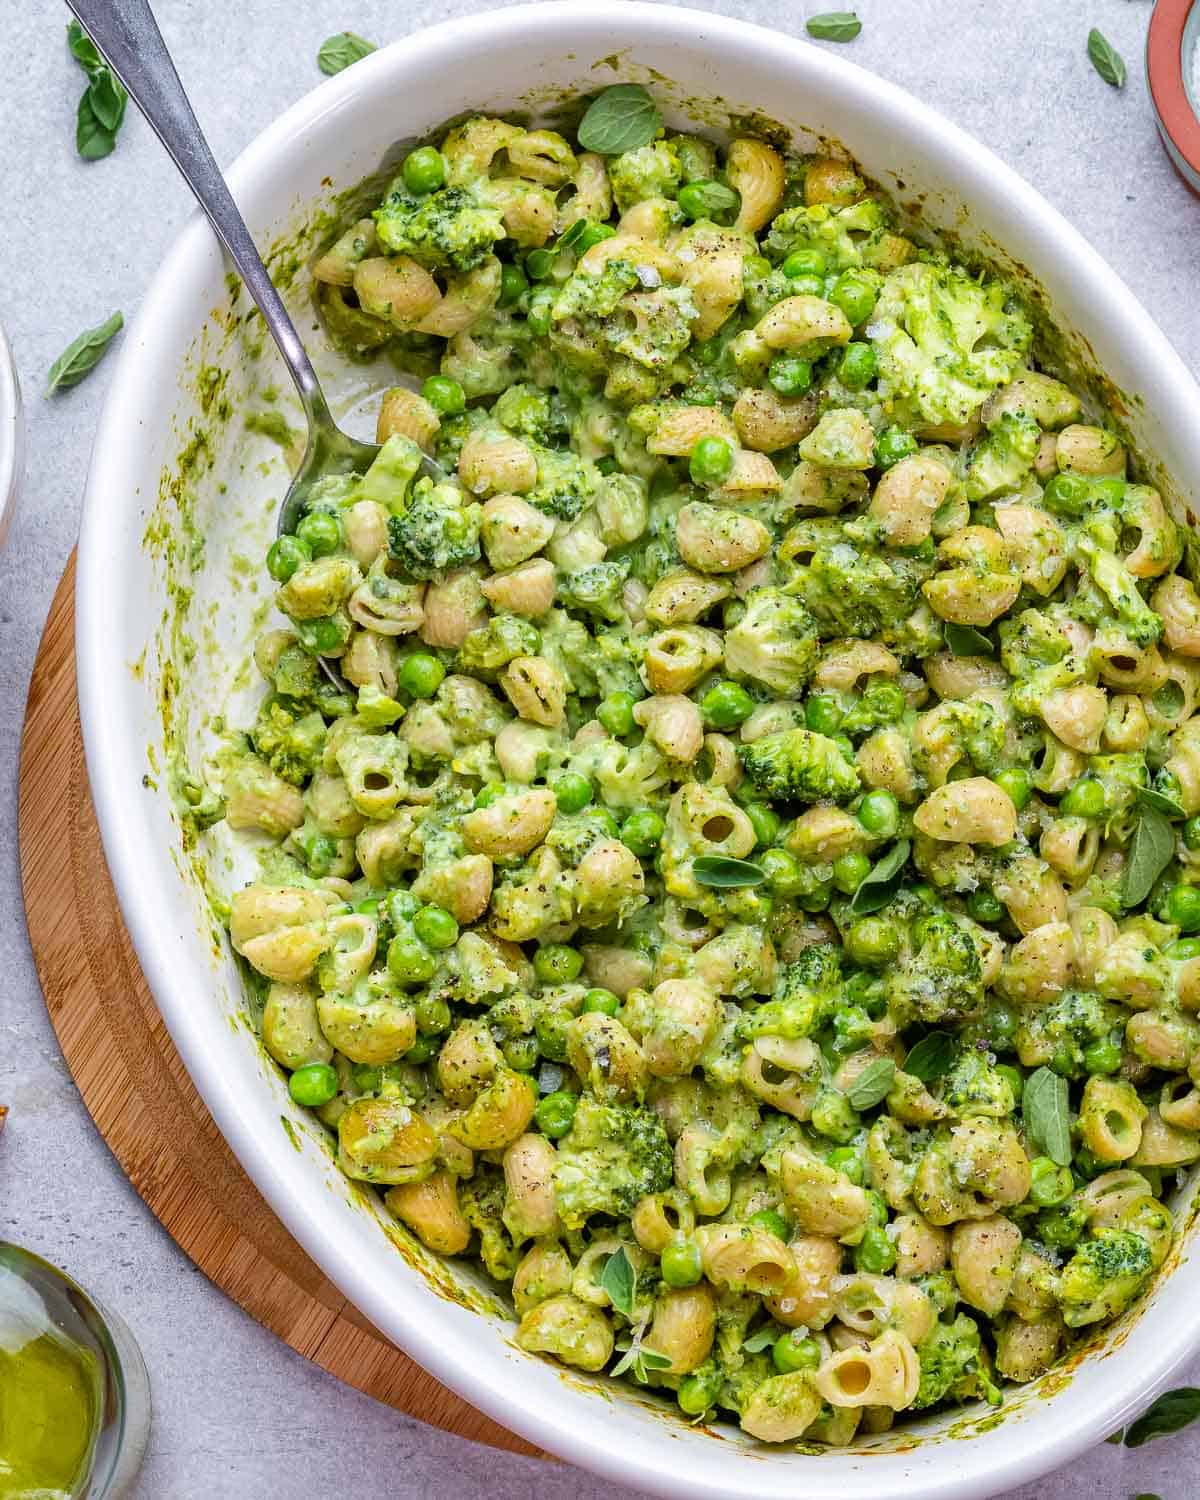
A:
135,1087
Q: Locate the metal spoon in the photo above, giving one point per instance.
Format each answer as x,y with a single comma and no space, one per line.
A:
127,34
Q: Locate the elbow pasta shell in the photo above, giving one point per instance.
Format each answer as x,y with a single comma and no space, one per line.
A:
592,198
568,1329
807,1300
365,526
743,1258
383,1140
529,1211
682,598
395,289
1089,450
1070,847
844,663
887,1373
291,1032
527,590
397,610
659,1218
430,1209
536,689
798,322
983,1256
492,463
528,211
672,723
906,498
753,476
498,1114
683,1327
471,147
676,659
755,172
1076,716
544,1272
1039,967
715,540
404,413
972,811
336,266
980,585
681,428
766,421
820,1199
466,299
828,180
512,530
786,1075
544,156
782,1408
1175,599
511,825
710,265
279,930
1026,1350
700,1170
921,1248
1036,545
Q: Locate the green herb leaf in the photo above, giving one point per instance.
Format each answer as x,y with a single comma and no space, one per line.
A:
1047,1118
1147,1497
1116,1437
1160,802
761,1340
83,49
339,51
107,98
618,1280
931,1057
879,884
93,139
83,354
834,26
872,1083
622,118
723,873
1172,1410
651,1359
965,640
1106,60
1150,852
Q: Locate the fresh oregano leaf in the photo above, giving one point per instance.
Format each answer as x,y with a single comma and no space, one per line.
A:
1150,852
1172,1410
1160,802
724,873
102,108
83,354
1106,60
93,139
1046,1107
965,640
834,26
107,99
651,1359
872,1083
761,1340
880,883
618,1280
622,118
931,1057
339,51
83,49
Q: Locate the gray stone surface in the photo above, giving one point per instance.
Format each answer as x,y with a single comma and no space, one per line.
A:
239,1415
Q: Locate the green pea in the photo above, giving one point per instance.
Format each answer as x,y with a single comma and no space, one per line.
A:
1183,907
555,1114
697,1393
321,531
859,366
807,286
1067,495
873,942
789,374
855,295
875,1253
520,1052
446,396
572,792
983,906
313,1085
1085,799
435,927
879,813
1049,1184
833,1116
551,1029
1102,1057
365,1078
823,714
795,1350
642,832
539,264
592,235
433,1014
541,307
424,170
615,713
285,555
513,285
706,199
765,821
410,961
320,636
848,1160
772,1221
1191,832
422,1050
804,263
893,444
557,963
1182,948
1017,783
783,872
1000,1025
420,675
680,1262
726,705
601,1000
849,871
711,460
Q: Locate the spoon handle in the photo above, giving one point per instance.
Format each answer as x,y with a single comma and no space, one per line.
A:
127,34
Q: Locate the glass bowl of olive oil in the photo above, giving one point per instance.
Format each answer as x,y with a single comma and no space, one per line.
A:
74,1395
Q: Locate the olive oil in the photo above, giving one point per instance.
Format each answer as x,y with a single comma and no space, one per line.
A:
49,1400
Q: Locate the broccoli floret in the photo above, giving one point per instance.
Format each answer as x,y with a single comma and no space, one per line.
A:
565,483
806,993
1032,641
288,738
432,533
612,1156
449,228
969,728
322,854
973,1086
775,642
852,591
392,471
651,171
1002,461
944,341
594,297
1114,591
797,765
596,589
495,644
1062,1227
531,412
953,1365
842,235
879,704
941,979
1060,1032
1103,1276
1121,776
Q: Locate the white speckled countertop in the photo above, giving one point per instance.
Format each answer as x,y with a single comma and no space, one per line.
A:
237,1413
